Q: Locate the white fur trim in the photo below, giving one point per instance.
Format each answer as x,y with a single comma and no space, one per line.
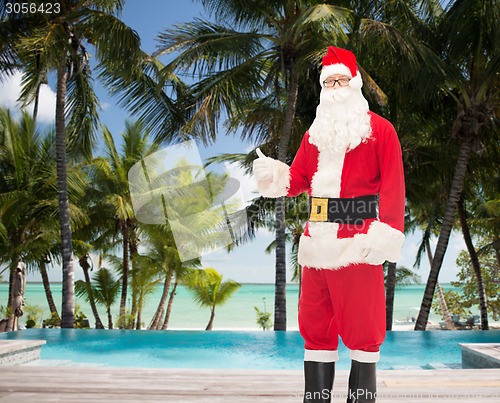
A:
327,71
385,239
333,69
364,356
356,82
327,178
321,355
323,250
280,183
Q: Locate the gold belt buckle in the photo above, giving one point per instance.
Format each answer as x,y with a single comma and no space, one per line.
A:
319,209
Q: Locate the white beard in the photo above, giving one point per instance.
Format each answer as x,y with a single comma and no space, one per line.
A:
342,121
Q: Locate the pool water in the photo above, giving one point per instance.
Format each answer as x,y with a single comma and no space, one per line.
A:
237,349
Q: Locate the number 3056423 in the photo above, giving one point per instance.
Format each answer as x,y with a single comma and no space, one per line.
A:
32,8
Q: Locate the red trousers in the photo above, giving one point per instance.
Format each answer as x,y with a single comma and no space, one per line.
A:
347,302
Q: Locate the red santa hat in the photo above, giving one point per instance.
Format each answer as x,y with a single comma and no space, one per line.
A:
341,61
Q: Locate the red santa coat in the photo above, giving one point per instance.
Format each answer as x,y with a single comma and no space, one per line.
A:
374,167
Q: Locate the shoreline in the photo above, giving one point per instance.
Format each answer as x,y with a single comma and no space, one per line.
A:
396,328
238,313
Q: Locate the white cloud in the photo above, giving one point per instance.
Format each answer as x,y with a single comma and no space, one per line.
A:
10,90
105,106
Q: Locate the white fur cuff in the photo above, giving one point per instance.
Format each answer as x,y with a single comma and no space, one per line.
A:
280,183
384,239
321,355
364,356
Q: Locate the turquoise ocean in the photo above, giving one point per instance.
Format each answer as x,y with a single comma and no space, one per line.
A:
237,313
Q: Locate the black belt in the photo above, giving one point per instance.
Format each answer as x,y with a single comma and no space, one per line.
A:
342,210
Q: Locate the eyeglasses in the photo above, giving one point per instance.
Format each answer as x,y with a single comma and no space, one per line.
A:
343,82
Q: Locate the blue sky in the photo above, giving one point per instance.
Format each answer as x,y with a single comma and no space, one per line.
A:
248,263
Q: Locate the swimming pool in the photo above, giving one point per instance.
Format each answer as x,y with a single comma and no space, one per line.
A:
237,349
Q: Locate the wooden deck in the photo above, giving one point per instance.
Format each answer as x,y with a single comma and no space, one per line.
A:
36,384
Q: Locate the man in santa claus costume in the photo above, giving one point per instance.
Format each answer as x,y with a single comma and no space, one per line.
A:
350,164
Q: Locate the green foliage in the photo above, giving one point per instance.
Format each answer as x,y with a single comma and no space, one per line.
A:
53,321
30,323
125,321
81,321
404,276
208,288
5,312
467,281
33,314
105,288
454,303
263,319
460,303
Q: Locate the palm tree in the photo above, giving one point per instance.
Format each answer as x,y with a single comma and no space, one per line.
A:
428,178
144,282
185,218
163,256
462,213
110,177
469,43
91,238
38,43
18,165
209,290
103,289
477,218
85,265
28,196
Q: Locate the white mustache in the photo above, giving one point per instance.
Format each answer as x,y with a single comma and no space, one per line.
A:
335,95
341,93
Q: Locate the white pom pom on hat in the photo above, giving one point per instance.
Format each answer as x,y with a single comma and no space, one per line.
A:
341,61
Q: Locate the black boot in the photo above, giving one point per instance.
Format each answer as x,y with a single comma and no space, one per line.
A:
362,382
318,381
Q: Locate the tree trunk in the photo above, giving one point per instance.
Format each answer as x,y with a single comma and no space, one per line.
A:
211,321
390,286
37,100
450,325
280,279
17,239
123,300
84,264
138,317
444,235
68,283
442,301
46,287
12,323
133,252
169,305
12,276
280,276
110,318
475,264
155,322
